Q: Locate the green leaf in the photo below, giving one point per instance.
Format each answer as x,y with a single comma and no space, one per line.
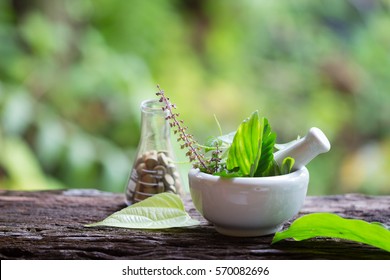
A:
229,174
164,210
334,226
287,165
227,138
223,142
244,152
252,148
267,150
211,144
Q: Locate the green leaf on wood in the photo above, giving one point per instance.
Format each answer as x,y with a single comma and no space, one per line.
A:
164,210
334,226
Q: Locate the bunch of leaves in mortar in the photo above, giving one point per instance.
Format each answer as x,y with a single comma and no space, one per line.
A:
248,152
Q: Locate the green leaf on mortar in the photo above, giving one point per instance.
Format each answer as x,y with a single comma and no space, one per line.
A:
164,210
267,150
287,165
334,226
244,152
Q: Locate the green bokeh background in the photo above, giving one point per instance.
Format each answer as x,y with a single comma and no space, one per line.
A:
74,72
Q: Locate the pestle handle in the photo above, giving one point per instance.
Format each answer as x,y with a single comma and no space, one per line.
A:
305,149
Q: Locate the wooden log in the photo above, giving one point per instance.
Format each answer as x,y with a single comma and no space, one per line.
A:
50,225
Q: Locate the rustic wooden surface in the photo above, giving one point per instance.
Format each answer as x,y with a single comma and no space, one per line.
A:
49,225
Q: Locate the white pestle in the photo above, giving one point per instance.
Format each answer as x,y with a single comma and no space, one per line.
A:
305,149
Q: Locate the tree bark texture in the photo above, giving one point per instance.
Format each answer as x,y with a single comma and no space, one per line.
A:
50,225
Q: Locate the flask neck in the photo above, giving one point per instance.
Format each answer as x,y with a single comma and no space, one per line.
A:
155,130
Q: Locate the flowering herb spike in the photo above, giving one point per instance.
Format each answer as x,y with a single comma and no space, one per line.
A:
188,141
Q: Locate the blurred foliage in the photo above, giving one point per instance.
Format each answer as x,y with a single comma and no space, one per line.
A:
73,73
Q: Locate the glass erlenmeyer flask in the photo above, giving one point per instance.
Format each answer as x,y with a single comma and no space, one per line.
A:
154,169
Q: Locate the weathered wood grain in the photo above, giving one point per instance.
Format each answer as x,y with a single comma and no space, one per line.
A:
49,225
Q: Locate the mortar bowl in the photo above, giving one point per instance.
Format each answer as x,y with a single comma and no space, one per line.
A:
246,206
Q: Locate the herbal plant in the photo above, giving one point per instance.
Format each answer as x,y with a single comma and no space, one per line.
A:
248,152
